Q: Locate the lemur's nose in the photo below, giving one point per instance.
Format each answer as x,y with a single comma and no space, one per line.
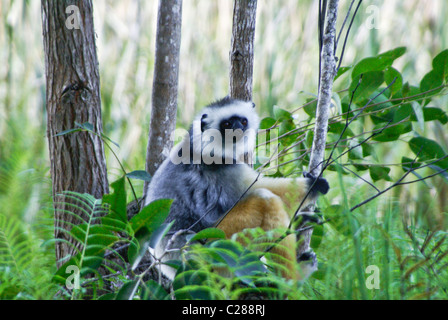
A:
237,125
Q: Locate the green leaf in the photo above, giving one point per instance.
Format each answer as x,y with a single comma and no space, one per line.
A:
188,283
138,247
152,216
432,80
287,126
360,167
338,127
427,149
62,133
86,126
419,114
367,150
139,175
379,173
432,114
378,63
209,233
410,91
392,133
341,71
97,235
154,291
391,74
227,250
267,123
309,138
402,112
311,107
108,139
85,265
159,234
440,64
63,273
383,111
128,290
117,202
281,114
249,264
408,164
317,236
356,152
369,82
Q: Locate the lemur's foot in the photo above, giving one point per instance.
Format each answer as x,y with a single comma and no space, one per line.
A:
317,184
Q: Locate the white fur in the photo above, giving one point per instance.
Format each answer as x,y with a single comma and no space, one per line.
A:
214,117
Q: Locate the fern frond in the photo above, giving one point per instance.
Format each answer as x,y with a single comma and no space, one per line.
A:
15,246
92,237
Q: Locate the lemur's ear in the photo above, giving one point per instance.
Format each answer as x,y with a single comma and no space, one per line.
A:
203,123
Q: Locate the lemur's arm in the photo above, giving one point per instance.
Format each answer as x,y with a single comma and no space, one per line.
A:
291,190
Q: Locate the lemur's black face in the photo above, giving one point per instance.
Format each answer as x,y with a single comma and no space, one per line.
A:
233,123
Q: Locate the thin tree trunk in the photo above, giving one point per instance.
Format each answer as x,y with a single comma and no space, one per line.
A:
242,54
73,95
165,83
328,72
242,49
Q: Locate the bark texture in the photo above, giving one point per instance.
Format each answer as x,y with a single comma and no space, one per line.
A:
72,95
327,75
165,83
242,49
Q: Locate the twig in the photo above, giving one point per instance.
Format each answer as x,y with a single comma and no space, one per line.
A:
348,32
400,181
359,177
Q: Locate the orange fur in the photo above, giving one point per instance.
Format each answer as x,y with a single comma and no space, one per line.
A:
261,208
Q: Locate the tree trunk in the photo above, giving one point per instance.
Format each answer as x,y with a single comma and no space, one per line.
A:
165,83
327,74
73,95
242,54
242,49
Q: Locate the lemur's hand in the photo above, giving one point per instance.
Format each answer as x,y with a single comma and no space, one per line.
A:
317,184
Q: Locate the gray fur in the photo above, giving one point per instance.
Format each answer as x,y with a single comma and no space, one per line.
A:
197,191
202,193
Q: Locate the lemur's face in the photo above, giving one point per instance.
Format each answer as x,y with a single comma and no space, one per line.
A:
232,116
231,125
234,123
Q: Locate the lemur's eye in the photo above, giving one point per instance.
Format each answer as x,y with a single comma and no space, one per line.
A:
244,122
226,124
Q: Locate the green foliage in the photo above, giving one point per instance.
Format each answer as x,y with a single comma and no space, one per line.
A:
23,271
380,116
379,108
230,269
105,227
390,233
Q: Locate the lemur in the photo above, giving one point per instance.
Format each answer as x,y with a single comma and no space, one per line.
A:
205,176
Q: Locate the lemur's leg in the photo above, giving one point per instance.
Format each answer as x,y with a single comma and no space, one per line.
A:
261,208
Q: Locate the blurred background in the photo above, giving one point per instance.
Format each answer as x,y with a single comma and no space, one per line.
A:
285,72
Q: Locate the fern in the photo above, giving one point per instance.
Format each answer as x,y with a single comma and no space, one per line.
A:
91,238
23,266
15,250
240,274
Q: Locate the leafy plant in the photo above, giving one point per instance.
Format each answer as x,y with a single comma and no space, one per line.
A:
23,273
